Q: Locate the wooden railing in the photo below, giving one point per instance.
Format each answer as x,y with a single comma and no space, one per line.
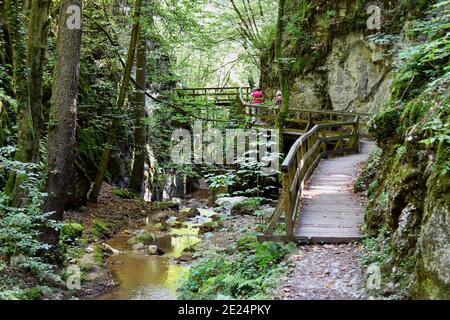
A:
302,159
216,95
325,133
308,118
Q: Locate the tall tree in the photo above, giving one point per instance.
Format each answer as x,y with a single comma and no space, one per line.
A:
37,41
281,66
26,137
137,175
115,126
27,80
63,113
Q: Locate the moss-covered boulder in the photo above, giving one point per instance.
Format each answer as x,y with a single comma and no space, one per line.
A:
102,229
146,238
210,227
186,213
246,207
71,232
164,205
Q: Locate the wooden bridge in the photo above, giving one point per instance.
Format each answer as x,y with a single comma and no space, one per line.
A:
323,210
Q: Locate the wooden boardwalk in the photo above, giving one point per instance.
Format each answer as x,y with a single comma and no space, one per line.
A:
326,210
331,212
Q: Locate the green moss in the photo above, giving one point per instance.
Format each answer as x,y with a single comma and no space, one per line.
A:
414,112
99,254
386,127
71,232
102,229
428,286
164,205
124,194
248,206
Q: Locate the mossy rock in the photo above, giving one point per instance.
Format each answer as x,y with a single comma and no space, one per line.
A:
146,238
210,226
123,193
165,205
386,127
160,227
102,229
186,213
71,232
246,207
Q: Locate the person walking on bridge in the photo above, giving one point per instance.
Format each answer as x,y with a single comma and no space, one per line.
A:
257,99
278,99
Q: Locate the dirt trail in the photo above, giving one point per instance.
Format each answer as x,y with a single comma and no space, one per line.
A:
324,272
329,272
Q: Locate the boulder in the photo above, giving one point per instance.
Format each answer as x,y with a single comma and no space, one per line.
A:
144,237
110,250
162,216
177,225
138,247
151,250
246,207
186,213
210,227
229,201
186,256
160,227
165,205
70,232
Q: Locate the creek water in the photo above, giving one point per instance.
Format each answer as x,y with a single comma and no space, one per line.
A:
149,277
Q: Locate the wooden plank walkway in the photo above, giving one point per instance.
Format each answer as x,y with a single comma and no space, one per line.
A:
331,212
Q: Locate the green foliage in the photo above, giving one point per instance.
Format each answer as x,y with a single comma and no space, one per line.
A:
376,250
251,274
439,132
427,62
366,180
20,227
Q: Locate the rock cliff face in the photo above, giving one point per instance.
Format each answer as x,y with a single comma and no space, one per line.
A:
355,76
337,64
336,61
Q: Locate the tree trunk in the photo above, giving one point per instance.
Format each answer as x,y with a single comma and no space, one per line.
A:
26,138
137,175
281,69
61,136
37,41
115,126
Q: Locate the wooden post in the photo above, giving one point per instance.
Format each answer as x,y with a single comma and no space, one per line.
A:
287,206
357,134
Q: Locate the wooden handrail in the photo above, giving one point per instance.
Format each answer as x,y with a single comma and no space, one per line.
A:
319,112
301,161
304,155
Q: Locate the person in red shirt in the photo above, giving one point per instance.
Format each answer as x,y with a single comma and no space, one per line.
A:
257,98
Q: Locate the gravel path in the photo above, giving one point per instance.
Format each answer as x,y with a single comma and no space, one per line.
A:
324,272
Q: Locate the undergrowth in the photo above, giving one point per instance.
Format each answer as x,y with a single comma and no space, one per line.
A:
251,273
